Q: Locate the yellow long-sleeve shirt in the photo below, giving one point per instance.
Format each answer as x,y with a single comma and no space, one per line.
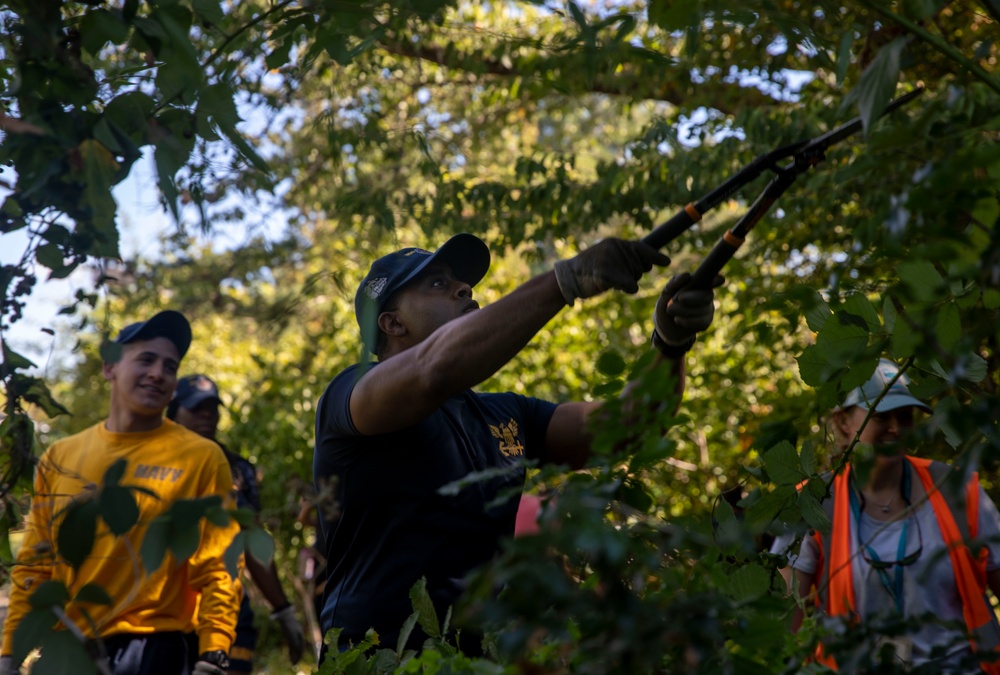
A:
173,463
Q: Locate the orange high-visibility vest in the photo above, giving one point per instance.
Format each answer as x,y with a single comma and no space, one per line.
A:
957,514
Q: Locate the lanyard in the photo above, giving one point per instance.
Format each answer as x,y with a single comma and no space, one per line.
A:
893,587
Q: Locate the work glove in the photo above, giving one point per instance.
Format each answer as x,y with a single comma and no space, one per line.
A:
682,313
7,666
211,663
292,631
608,264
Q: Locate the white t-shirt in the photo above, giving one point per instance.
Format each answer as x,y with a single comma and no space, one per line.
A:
928,584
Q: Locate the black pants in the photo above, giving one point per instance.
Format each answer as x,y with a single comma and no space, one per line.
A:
166,653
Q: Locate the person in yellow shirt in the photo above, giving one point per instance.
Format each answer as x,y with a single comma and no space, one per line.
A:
142,631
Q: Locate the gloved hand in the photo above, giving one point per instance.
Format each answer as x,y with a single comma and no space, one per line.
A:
681,313
211,663
610,263
292,631
7,666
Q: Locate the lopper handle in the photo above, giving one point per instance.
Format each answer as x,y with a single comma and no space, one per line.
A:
673,228
715,260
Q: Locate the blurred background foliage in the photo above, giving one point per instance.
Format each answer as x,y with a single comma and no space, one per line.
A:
297,141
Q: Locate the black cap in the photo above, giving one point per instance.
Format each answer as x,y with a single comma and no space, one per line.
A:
466,254
166,324
194,389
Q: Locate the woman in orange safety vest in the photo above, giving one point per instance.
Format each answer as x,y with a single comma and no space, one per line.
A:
898,545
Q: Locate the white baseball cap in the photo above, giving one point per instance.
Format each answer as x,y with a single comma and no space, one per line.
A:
897,396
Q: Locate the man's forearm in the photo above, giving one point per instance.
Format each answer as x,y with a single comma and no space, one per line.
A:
464,352
265,577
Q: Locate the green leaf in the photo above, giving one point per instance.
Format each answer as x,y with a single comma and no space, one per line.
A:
386,660
948,325
405,631
858,372
50,255
633,493
611,363
183,541
782,464
49,594
219,516
30,632
844,55
858,304
154,544
609,389
843,338
99,27
118,509
187,513
674,15
817,313
232,555
93,594
921,279
807,458
749,582
260,545
724,512
814,369
919,9
765,510
130,113
812,512
6,553
113,476
12,361
62,653
904,340
99,168
878,83
889,314
208,10
75,538
111,352
423,606
976,368
37,392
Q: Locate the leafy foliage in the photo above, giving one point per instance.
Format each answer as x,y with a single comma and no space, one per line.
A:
540,128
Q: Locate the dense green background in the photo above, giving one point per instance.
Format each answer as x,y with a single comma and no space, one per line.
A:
541,128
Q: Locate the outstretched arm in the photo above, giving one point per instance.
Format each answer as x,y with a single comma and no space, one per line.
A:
407,387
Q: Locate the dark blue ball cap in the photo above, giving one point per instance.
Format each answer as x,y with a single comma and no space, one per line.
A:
467,255
166,324
194,389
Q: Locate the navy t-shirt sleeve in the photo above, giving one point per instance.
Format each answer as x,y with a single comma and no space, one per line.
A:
334,416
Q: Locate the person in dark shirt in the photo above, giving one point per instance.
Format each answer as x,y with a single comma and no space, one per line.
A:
390,434
196,406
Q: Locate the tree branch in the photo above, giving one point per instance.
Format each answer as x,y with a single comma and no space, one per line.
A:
632,81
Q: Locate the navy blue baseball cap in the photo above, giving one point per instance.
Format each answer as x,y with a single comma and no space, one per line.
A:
166,324
195,389
466,254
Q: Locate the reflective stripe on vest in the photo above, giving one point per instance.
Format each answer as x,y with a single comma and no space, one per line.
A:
957,514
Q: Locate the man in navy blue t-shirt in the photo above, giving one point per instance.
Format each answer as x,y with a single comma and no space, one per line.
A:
392,433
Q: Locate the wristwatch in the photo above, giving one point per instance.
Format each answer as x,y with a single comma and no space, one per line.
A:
217,658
